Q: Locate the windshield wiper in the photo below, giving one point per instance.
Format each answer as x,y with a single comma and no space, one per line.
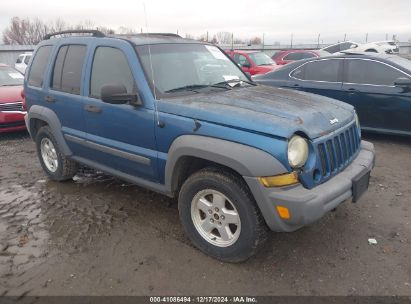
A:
191,87
195,87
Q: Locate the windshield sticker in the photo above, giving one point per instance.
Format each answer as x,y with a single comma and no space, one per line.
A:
217,54
16,75
230,77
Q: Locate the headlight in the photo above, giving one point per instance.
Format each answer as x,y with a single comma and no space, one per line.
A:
297,151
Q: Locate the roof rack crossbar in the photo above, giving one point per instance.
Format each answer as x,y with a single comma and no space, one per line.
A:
95,33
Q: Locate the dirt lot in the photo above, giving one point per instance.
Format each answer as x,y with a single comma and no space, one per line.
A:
100,236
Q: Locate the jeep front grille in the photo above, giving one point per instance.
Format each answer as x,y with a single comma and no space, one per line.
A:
336,153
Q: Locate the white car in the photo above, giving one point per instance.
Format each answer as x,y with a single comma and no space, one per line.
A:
383,47
22,62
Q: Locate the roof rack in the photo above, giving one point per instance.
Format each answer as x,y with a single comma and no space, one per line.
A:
95,33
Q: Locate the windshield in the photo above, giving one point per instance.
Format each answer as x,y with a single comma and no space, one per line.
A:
261,59
187,66
10,77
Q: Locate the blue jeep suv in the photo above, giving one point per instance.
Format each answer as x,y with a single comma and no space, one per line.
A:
179,117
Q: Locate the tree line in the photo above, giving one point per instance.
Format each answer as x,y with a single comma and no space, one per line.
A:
25,31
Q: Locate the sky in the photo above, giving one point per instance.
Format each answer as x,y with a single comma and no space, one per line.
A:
277,20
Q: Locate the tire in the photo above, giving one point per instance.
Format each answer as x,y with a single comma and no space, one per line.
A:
247,235
371,51
54,163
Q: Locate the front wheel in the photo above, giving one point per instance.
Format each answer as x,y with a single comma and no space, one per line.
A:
220,216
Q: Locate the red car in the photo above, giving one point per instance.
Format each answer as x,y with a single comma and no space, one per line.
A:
289,56
253,62
12,108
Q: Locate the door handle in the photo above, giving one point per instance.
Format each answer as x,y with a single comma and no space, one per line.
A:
92,109
49,98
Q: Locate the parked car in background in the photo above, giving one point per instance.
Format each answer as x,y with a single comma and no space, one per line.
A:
22,62
378,86
241,158
288,56
12,108
253,62
382,47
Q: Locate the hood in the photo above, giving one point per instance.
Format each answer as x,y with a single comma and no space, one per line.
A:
10,94
274,111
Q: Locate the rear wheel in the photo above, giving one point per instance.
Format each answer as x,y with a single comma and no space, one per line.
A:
220,216
54,163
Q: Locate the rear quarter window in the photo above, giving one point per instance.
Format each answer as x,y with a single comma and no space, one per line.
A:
40,61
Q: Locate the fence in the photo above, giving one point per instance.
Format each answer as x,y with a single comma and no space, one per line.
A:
9,53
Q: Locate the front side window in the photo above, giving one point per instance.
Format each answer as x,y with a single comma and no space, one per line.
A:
110,66
10,77
68,69
320,70
371,72
19,59
40,61
260,59
182,65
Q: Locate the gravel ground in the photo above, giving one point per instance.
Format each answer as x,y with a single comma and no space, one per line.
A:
100,236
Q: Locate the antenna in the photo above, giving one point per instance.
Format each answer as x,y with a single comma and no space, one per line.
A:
151,68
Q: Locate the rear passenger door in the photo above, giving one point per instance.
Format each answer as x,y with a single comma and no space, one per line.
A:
64,93
119,136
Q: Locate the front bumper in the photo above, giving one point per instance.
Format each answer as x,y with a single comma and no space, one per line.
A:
12,121
308,205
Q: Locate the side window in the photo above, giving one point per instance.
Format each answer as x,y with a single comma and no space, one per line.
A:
19,59
371,72
298,73
322,70
241,60
333,49
27,59
68,69
293,56
307,55
39,65
110,66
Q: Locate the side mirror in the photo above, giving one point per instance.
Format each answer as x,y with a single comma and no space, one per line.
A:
403,82
117,94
